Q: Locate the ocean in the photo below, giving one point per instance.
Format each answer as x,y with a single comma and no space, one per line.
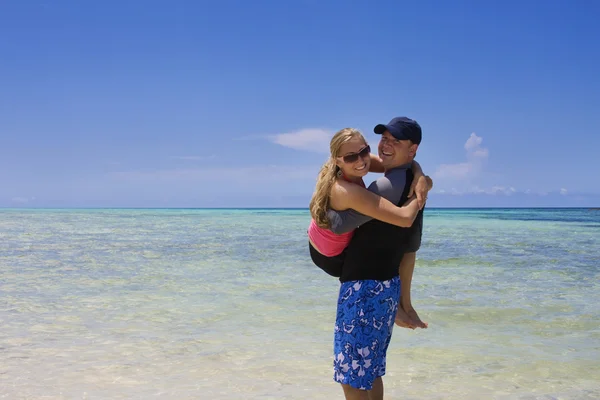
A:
226,304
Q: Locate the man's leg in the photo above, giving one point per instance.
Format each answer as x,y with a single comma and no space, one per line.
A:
376,393
351,393
407,267
360,353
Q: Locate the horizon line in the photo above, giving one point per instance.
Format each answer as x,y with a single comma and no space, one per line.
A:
282,208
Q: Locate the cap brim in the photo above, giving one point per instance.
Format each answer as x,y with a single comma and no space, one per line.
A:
379,129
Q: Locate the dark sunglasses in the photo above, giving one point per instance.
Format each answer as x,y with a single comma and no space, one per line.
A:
352,158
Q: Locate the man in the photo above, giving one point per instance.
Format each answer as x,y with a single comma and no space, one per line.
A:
370,282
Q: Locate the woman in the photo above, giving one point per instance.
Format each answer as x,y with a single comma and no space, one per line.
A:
340,187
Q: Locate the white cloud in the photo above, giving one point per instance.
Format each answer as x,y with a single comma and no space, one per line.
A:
476,155
473,146
454,171
479,153
22,200
312,139
563,191
496,190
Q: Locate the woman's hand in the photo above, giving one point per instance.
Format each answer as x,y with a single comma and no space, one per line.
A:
420,186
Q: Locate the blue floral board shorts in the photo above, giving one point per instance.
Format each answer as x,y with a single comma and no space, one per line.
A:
363,329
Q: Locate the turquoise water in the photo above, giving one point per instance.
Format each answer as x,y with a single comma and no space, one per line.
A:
225,304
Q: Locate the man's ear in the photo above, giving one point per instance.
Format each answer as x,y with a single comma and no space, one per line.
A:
413,150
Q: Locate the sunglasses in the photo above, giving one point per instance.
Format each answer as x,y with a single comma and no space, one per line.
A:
352,158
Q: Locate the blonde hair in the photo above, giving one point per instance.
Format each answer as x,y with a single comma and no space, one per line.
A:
319,204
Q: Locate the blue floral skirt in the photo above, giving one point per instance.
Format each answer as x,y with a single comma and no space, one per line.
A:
363,329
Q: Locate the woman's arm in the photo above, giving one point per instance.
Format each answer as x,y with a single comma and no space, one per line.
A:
376,164
349,195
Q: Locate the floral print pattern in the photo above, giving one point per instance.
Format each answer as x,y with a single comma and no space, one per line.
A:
363,329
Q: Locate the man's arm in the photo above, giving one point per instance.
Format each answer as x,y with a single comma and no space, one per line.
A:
376,164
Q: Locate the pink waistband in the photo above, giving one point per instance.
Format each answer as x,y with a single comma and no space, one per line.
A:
328,243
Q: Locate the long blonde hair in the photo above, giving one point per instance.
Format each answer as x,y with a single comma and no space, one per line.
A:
319,204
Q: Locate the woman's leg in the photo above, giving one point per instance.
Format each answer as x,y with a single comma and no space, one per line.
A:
331,265
407,267
402,318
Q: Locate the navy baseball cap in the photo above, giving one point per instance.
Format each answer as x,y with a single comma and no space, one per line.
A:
402,128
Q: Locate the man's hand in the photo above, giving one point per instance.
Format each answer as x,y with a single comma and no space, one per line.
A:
420,186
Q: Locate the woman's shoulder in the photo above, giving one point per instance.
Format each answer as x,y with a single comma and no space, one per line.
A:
343,191
341,186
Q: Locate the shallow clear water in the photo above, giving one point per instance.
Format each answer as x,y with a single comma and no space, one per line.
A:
226,304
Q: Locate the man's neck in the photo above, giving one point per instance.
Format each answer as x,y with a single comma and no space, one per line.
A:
400,166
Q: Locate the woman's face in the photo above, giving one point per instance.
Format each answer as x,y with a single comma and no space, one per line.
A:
354,158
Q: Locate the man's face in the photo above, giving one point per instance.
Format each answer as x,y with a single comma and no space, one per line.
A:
394,152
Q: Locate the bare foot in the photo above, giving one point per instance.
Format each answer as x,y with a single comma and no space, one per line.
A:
414,318
403,320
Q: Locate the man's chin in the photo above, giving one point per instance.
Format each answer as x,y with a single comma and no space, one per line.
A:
387,163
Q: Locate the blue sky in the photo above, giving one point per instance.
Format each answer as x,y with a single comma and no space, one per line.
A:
232,103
